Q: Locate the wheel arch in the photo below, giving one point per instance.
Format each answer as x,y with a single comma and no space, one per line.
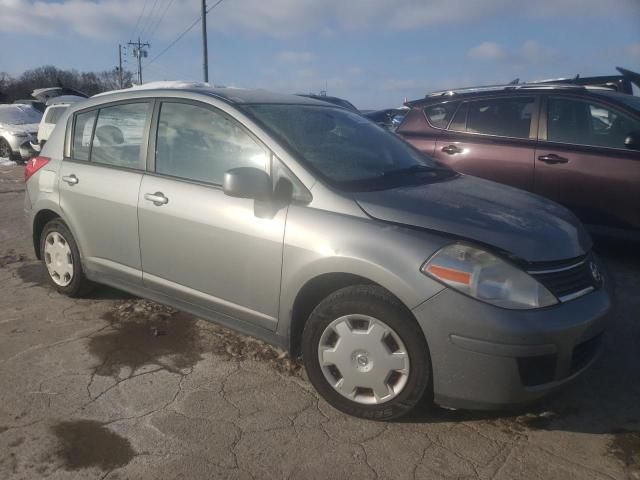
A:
313,292
40,220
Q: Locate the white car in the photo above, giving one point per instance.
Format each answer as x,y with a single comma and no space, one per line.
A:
55,108
18,128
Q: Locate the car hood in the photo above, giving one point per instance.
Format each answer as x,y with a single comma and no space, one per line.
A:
23,127
524,225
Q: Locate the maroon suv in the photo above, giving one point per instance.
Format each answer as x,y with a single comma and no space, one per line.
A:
578,146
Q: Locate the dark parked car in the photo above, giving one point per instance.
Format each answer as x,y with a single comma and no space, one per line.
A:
577,145
389,118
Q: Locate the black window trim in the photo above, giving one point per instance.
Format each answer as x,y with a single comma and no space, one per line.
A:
542,132
153,137
533,127
96,108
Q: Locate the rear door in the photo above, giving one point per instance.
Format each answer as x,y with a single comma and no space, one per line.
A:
493,138
199,245
582,162
99,184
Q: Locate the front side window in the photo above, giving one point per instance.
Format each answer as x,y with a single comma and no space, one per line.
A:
198,143
82,131
504,117
439,115
585,123
119,135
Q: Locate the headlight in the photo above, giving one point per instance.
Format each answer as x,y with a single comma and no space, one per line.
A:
484,276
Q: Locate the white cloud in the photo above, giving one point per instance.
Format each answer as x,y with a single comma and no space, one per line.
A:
529,53
534,53
487,51
290,56
282,18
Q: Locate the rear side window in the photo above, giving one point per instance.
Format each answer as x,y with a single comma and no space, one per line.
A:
53,114
505,117
584,123
200,144
119,134
82,131
439,115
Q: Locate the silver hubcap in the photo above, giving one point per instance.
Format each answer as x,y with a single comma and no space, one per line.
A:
363,359
58,258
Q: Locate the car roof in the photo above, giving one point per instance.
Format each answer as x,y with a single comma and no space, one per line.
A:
231,95
511,90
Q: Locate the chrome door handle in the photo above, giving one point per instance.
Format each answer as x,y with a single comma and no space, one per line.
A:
552,159
70,179
451,149
157,198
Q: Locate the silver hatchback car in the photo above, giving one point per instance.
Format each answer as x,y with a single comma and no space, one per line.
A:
308,226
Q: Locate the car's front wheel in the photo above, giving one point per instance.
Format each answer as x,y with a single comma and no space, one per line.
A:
61,258
5,150
365,353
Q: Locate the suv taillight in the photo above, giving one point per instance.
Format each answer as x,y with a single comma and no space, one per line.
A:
33,166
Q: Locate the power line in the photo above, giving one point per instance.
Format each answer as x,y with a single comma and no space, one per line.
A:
135,29
164,12
187,30
149,19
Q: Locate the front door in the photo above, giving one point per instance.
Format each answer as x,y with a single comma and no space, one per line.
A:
582,162
492,138
99,187
198,244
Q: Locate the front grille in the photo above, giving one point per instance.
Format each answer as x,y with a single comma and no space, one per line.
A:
584,353
567,281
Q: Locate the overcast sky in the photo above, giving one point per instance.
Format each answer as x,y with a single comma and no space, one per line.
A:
372,52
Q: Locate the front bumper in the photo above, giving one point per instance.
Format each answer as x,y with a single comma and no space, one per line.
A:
485,357
21,145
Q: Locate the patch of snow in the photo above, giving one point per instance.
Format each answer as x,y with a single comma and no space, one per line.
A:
170,84
5,162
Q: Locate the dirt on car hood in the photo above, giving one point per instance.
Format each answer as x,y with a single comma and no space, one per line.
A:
525,225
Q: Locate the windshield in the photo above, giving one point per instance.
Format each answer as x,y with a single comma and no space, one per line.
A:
19,114
346,149
628,100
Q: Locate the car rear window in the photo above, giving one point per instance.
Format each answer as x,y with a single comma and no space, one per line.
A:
439,115
504,117
118,135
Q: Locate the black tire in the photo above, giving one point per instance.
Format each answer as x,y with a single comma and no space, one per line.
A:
375,302
79,285
5,150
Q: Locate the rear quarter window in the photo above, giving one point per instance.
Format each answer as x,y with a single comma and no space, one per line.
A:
440,115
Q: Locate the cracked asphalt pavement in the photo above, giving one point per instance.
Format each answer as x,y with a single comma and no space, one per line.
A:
117,387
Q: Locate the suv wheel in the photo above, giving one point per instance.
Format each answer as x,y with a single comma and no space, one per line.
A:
61,258
365,354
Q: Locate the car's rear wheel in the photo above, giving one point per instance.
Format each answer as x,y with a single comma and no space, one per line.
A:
61,258
365,353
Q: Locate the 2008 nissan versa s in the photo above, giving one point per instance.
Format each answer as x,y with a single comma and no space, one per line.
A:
312,228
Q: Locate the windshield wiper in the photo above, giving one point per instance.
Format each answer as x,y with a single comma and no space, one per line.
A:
408,170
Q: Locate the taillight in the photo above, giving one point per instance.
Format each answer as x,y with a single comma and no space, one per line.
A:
33,166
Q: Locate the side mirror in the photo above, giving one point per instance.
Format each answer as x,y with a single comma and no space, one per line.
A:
247,182
632,140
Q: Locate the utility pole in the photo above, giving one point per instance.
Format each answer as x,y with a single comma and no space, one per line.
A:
205,55
140,51
120,67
